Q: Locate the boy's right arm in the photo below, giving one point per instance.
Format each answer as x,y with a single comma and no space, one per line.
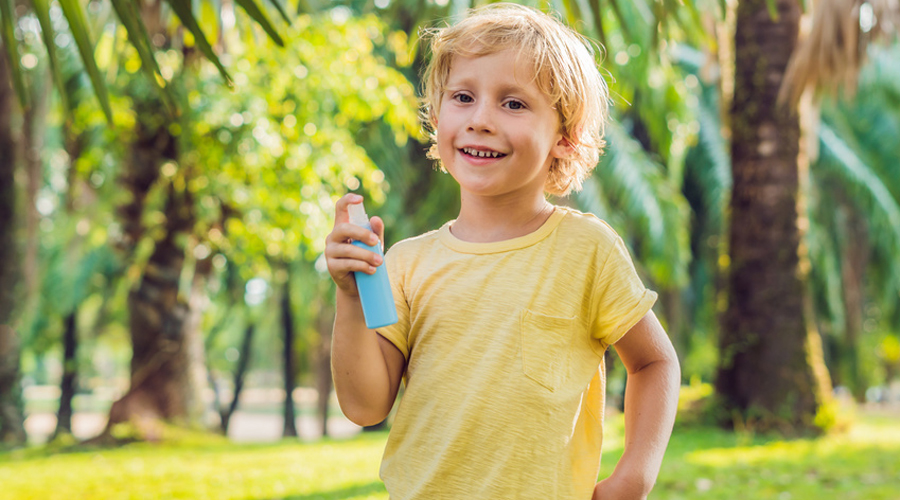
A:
366,367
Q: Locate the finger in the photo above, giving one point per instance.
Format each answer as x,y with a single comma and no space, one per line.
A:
351,252
378,228
343,267
341,210
346,231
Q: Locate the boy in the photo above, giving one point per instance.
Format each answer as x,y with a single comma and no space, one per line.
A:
506,312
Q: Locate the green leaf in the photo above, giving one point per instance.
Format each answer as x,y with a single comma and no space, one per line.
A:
573,11
855,171
183,10
42,11
78,26
260,17
140,39
772,5
697,27
624,25
631,189
280,9
12,50
597,15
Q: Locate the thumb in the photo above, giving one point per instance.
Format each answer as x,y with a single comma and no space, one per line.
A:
341,208
378,228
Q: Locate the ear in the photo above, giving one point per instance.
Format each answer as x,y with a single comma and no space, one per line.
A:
433,117
563,148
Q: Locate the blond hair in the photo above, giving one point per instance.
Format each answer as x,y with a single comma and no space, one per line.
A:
565,71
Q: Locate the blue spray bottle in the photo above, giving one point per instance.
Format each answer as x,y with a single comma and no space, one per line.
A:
374,289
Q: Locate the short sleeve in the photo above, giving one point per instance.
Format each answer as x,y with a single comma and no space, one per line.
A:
620,299
398,333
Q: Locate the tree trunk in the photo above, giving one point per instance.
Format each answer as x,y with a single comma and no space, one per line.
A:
33,131
12,415
287,323
769,374
239,376
74,144
167,373
854,260
324,324
12,428
70,374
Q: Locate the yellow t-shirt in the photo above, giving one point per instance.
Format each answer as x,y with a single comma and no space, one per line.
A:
504,344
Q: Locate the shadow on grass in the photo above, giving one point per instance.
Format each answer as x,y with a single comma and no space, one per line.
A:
338,494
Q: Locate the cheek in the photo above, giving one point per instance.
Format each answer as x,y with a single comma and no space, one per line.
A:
444,142
445,128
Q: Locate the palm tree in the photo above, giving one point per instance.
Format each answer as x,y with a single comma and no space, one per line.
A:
855,219
771,367
162,384
12,430
765,372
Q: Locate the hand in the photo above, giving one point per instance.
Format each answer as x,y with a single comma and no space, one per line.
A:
614,488
342,257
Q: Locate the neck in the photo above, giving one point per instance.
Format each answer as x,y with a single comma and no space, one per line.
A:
488,220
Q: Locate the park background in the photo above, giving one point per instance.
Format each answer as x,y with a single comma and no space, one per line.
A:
167,178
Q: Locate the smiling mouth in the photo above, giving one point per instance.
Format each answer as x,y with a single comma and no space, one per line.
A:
482,154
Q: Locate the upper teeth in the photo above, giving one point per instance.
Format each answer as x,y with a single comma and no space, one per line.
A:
482,154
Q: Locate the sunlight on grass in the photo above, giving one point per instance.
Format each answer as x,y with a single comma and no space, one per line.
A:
701,463
291,470
861,464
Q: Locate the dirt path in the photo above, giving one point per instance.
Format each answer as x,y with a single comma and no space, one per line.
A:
246,427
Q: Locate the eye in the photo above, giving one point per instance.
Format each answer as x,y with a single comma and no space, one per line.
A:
463,98
515,104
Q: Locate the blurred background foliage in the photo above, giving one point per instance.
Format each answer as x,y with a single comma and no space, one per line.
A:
289,106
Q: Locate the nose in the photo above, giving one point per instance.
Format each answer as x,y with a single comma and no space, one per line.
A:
481,119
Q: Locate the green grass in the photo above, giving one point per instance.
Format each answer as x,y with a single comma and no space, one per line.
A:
701,463
199,468
706,463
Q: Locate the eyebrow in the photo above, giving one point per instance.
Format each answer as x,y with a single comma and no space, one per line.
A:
503,90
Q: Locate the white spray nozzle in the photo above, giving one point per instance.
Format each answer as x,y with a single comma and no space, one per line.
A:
358,215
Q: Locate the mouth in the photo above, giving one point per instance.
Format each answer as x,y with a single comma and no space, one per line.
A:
481,153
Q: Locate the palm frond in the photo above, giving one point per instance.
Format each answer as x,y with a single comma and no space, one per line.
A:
875,115
654,214
281,10
7,30
833,53
826,280
881,208
253,10
597,18
140,40
42,12
182,9
851,167
709,162
857,172
592,199
572,11
78,26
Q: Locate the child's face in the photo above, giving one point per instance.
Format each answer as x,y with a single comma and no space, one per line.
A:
497,133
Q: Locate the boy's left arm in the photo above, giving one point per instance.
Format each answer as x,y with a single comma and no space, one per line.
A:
651,399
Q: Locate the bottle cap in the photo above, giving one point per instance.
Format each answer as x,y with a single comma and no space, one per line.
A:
358,215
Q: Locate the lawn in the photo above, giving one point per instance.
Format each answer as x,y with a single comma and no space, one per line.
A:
701,463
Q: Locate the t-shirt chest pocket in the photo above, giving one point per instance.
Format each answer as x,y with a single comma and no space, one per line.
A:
546,348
